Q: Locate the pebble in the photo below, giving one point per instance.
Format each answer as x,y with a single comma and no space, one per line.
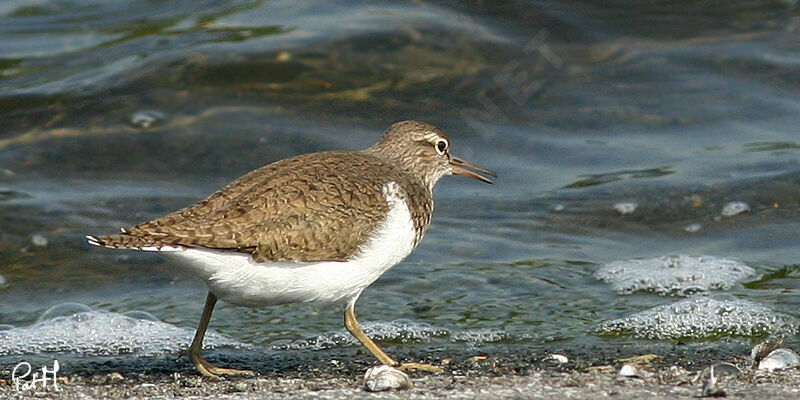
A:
626,207
115,377
630,371
283,56
726,369
709,376
147,118
642,358
559,358
39,240
693,228
475,359
734,208
383,377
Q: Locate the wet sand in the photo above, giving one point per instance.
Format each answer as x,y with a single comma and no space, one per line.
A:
485,378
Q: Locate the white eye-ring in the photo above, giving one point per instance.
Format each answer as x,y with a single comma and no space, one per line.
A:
441,146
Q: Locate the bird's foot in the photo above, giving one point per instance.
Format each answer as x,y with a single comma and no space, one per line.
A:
419,367
209,370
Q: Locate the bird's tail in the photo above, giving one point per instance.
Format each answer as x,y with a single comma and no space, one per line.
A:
126,241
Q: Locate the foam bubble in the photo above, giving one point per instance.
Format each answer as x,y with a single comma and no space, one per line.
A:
701,317
63,310
76,328
674,275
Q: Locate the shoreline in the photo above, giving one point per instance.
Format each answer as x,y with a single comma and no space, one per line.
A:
486,378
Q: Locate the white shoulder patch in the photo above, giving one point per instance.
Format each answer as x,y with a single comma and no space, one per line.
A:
393,193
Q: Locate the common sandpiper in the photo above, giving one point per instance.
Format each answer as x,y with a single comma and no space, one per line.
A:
317,227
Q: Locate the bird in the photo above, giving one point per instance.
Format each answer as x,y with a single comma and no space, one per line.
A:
318,227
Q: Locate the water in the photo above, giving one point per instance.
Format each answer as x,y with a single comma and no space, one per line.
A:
618,132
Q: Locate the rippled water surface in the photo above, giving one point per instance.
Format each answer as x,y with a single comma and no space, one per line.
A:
619,133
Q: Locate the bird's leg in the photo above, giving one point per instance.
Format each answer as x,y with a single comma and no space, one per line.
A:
354,328
203,366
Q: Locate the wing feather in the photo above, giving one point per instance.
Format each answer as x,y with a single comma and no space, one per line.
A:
314,207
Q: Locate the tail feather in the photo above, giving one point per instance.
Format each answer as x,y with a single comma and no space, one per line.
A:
126,241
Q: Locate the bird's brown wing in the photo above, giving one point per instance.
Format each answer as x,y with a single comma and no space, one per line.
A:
312,207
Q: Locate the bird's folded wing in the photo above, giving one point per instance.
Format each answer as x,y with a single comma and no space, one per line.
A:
299,209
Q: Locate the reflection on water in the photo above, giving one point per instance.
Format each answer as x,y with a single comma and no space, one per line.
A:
618,132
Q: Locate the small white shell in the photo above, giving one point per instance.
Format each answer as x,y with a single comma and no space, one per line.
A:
558,358
779,359
734,208
383,377
630,371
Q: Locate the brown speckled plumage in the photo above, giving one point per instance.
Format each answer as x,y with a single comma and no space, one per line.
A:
312,207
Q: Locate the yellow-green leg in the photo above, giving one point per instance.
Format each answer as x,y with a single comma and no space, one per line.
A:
354,328
203,366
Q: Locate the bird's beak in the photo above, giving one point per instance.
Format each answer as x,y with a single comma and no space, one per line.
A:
461,167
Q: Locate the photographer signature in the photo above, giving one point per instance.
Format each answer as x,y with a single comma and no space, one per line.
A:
24,378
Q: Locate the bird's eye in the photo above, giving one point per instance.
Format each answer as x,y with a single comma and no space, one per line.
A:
441,146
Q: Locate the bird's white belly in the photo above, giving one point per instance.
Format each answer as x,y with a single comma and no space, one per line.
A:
236,278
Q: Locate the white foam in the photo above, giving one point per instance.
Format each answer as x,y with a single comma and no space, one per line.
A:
76,328
486,335
401,330
701,317
674,275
